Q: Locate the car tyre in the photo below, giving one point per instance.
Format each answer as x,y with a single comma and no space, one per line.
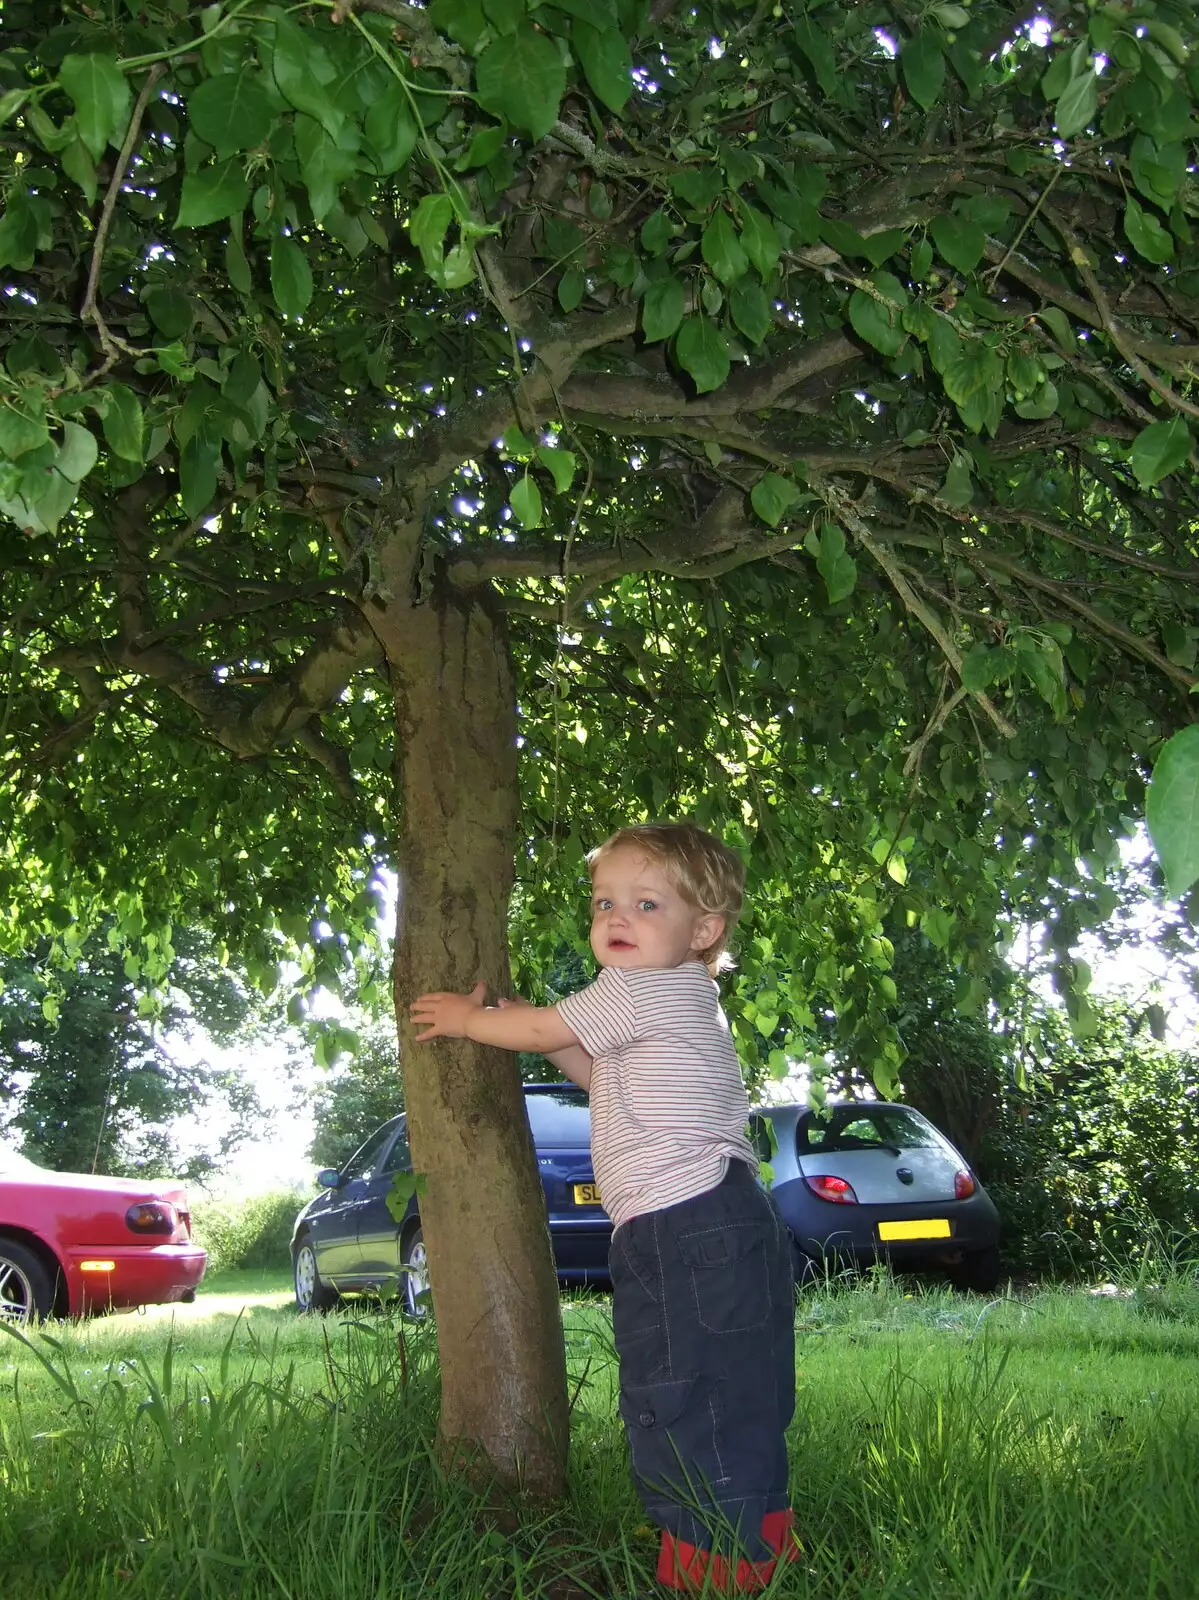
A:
981,1271
415,1276
26,1289
311,1293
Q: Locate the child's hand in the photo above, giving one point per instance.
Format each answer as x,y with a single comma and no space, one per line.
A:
446,1016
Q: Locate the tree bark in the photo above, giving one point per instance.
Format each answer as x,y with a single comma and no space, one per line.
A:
494,1290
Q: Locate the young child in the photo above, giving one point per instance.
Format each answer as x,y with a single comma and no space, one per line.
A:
703,1304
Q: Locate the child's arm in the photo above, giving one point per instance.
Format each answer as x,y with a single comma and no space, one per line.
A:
572,1061
464,1016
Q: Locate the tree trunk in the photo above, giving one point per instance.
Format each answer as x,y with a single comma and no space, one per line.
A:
494,1290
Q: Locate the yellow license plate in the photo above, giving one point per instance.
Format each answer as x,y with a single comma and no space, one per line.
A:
587,1194
934,1228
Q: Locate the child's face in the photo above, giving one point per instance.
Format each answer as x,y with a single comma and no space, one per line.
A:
639,919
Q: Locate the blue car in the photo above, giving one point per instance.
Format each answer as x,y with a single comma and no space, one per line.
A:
347,1241
866,1180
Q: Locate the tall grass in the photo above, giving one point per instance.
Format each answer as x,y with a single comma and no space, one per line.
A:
943,1449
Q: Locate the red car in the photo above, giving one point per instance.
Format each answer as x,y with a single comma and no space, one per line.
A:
71,1244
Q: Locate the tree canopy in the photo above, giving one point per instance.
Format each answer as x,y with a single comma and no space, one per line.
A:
88,1081
780,413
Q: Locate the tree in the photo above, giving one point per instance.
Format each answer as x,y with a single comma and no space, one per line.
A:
87,1080
564,413
355,1098
1095,1156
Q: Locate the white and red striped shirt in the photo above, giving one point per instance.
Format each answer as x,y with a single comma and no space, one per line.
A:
668,1107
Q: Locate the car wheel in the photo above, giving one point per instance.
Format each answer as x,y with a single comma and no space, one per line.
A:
981,1271
415,1264
26,1292
311,1293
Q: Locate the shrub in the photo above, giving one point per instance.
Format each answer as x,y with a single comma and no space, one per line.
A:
254,1232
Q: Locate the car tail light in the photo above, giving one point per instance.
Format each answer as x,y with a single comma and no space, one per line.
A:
834,1189
151,1217
963,1185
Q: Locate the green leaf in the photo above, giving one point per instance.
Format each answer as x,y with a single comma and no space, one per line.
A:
294,61
78,452
937,927
819,52
836,566
1172,809
880,247
124,424
662,309
198,462
390,129
525,501
1079,102
236,264
606,61
921,259
463,20
324,166
760,239
1040,404
561,465
656,233
212,194
959,242
976,369
571,287
428,226
923,62
772,497
102,98
522,77
231,112
18,232
958,488
978,668
291,277
702,351
485,145
505,15
1146,234
20,432
722,250
878,322
80,168
750,308
1160,449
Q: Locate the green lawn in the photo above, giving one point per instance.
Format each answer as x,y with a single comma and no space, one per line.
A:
943,1449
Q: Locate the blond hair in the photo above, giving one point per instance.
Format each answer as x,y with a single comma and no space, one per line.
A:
706,873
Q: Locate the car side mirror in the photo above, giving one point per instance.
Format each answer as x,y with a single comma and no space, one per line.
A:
329,1178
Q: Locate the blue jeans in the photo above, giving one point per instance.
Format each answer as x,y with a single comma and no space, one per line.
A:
703,1312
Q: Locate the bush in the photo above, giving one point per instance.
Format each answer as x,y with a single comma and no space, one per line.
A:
255,1232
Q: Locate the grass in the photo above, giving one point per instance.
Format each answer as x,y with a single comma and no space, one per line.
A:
944,1448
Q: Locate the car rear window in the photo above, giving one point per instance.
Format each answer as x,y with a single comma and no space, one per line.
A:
559,1117
859,1127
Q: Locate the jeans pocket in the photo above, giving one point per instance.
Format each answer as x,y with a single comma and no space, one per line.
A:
730,1275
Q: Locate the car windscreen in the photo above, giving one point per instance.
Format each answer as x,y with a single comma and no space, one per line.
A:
559,1118
860,1127
362,1161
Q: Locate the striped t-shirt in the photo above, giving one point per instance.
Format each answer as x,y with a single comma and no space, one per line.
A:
668,1108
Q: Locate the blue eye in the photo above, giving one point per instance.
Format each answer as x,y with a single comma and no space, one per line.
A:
646,905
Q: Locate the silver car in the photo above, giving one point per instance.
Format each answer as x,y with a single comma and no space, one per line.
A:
865,1180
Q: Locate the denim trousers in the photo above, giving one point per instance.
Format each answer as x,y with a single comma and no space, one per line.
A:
703,1311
